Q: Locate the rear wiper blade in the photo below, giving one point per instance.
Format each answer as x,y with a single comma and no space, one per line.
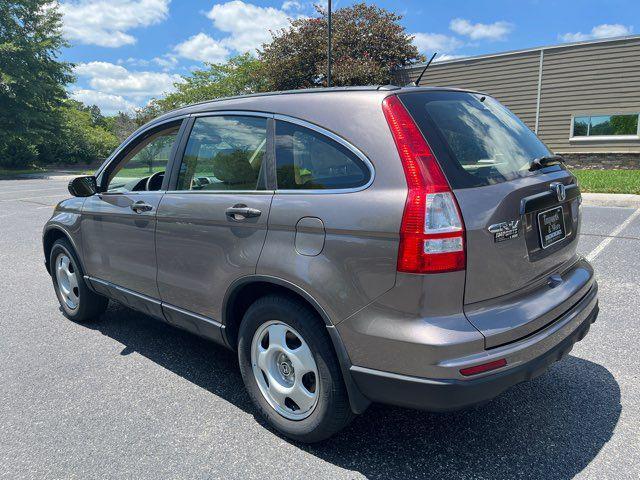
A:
546,161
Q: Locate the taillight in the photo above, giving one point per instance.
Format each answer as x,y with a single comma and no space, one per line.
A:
432,232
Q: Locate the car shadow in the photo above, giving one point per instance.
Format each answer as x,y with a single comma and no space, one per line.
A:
551,427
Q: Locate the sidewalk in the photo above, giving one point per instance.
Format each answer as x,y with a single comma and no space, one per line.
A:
611,200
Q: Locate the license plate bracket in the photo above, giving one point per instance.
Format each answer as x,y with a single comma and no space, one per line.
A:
551,226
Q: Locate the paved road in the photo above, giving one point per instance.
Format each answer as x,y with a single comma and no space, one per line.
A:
133,398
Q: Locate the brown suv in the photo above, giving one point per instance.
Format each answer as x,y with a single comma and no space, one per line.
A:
412,246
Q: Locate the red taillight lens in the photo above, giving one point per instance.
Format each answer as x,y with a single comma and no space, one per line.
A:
432,232
485,367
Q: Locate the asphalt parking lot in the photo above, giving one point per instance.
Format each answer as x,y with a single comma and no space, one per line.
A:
130,397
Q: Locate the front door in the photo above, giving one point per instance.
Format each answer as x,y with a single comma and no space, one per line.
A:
118,224
212,222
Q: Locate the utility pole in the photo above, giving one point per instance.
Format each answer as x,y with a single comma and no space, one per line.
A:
329,48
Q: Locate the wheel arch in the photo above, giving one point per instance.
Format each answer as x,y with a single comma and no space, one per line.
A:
49,237
243,292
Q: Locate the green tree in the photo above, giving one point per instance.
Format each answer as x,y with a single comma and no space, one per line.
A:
121,125
32,78
237,76
81,137
368,44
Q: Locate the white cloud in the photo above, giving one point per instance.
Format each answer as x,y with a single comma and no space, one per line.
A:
480,31
108,103
429,42
117,80
167,62
202,47
605,30
248,25
105,22
445,56
292,5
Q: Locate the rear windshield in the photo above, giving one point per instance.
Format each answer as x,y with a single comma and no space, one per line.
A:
476,139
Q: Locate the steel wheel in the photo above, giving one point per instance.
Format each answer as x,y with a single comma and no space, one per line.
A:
67,280
285,370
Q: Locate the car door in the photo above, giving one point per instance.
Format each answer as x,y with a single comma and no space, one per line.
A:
118,224
212,222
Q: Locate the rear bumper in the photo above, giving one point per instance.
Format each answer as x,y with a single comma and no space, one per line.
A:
453,394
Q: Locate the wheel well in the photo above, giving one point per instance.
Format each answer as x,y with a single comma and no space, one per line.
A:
242,297
48,240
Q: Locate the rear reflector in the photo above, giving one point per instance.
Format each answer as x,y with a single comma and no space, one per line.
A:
485,367
432,232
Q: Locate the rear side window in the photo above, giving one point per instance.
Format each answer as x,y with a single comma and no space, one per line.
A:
477,140
309,160
224,153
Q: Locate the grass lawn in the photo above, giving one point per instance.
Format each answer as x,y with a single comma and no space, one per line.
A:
609,181
10,172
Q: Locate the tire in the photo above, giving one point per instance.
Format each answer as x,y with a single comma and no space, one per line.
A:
78,302
330,411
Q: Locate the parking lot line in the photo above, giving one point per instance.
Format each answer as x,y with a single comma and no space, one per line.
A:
602,245
30,190
62,194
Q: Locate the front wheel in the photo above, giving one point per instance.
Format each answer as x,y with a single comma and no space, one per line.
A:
78,302
291,371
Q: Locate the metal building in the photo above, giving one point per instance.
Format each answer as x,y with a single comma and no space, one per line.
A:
583,99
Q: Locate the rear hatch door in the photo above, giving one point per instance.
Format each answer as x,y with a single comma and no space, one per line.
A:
521,225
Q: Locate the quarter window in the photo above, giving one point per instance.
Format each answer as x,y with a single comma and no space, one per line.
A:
308,160
605,125
224,153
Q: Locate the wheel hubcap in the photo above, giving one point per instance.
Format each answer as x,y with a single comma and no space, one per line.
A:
67,279
285,370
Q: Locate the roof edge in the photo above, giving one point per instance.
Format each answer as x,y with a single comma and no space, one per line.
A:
524,50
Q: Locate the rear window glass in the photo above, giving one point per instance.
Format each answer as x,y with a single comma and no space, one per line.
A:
476,139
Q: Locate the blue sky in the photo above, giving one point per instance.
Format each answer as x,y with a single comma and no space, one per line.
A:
128,51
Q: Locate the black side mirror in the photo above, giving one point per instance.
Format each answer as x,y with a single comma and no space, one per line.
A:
83,186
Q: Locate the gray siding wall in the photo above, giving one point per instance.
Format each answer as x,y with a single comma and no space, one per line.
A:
591,78
594,78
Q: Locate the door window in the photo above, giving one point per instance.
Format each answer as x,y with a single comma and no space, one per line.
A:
143,167
225,153
306,159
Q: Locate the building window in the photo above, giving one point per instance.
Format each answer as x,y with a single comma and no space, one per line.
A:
596,126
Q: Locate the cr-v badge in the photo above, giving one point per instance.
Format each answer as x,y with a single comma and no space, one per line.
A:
505,230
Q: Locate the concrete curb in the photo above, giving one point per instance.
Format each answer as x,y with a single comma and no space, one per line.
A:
611,200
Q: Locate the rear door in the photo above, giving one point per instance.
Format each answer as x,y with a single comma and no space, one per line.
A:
212,222
521,225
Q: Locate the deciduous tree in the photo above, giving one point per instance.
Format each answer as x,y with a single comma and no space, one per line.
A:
368,44
32,78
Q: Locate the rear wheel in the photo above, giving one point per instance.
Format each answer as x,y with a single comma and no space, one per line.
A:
290,370
78,302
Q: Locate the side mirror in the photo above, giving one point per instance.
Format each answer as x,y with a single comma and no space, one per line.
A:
83,186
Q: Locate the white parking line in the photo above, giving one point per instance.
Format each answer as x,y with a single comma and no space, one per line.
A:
31,198
30,190
602,245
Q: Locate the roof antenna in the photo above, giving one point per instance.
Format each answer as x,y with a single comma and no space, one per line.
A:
416,83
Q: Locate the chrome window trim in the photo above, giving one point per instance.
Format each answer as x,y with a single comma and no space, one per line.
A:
241,113
327,133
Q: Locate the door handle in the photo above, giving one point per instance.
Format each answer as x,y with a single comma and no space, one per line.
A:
141,206
241,212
